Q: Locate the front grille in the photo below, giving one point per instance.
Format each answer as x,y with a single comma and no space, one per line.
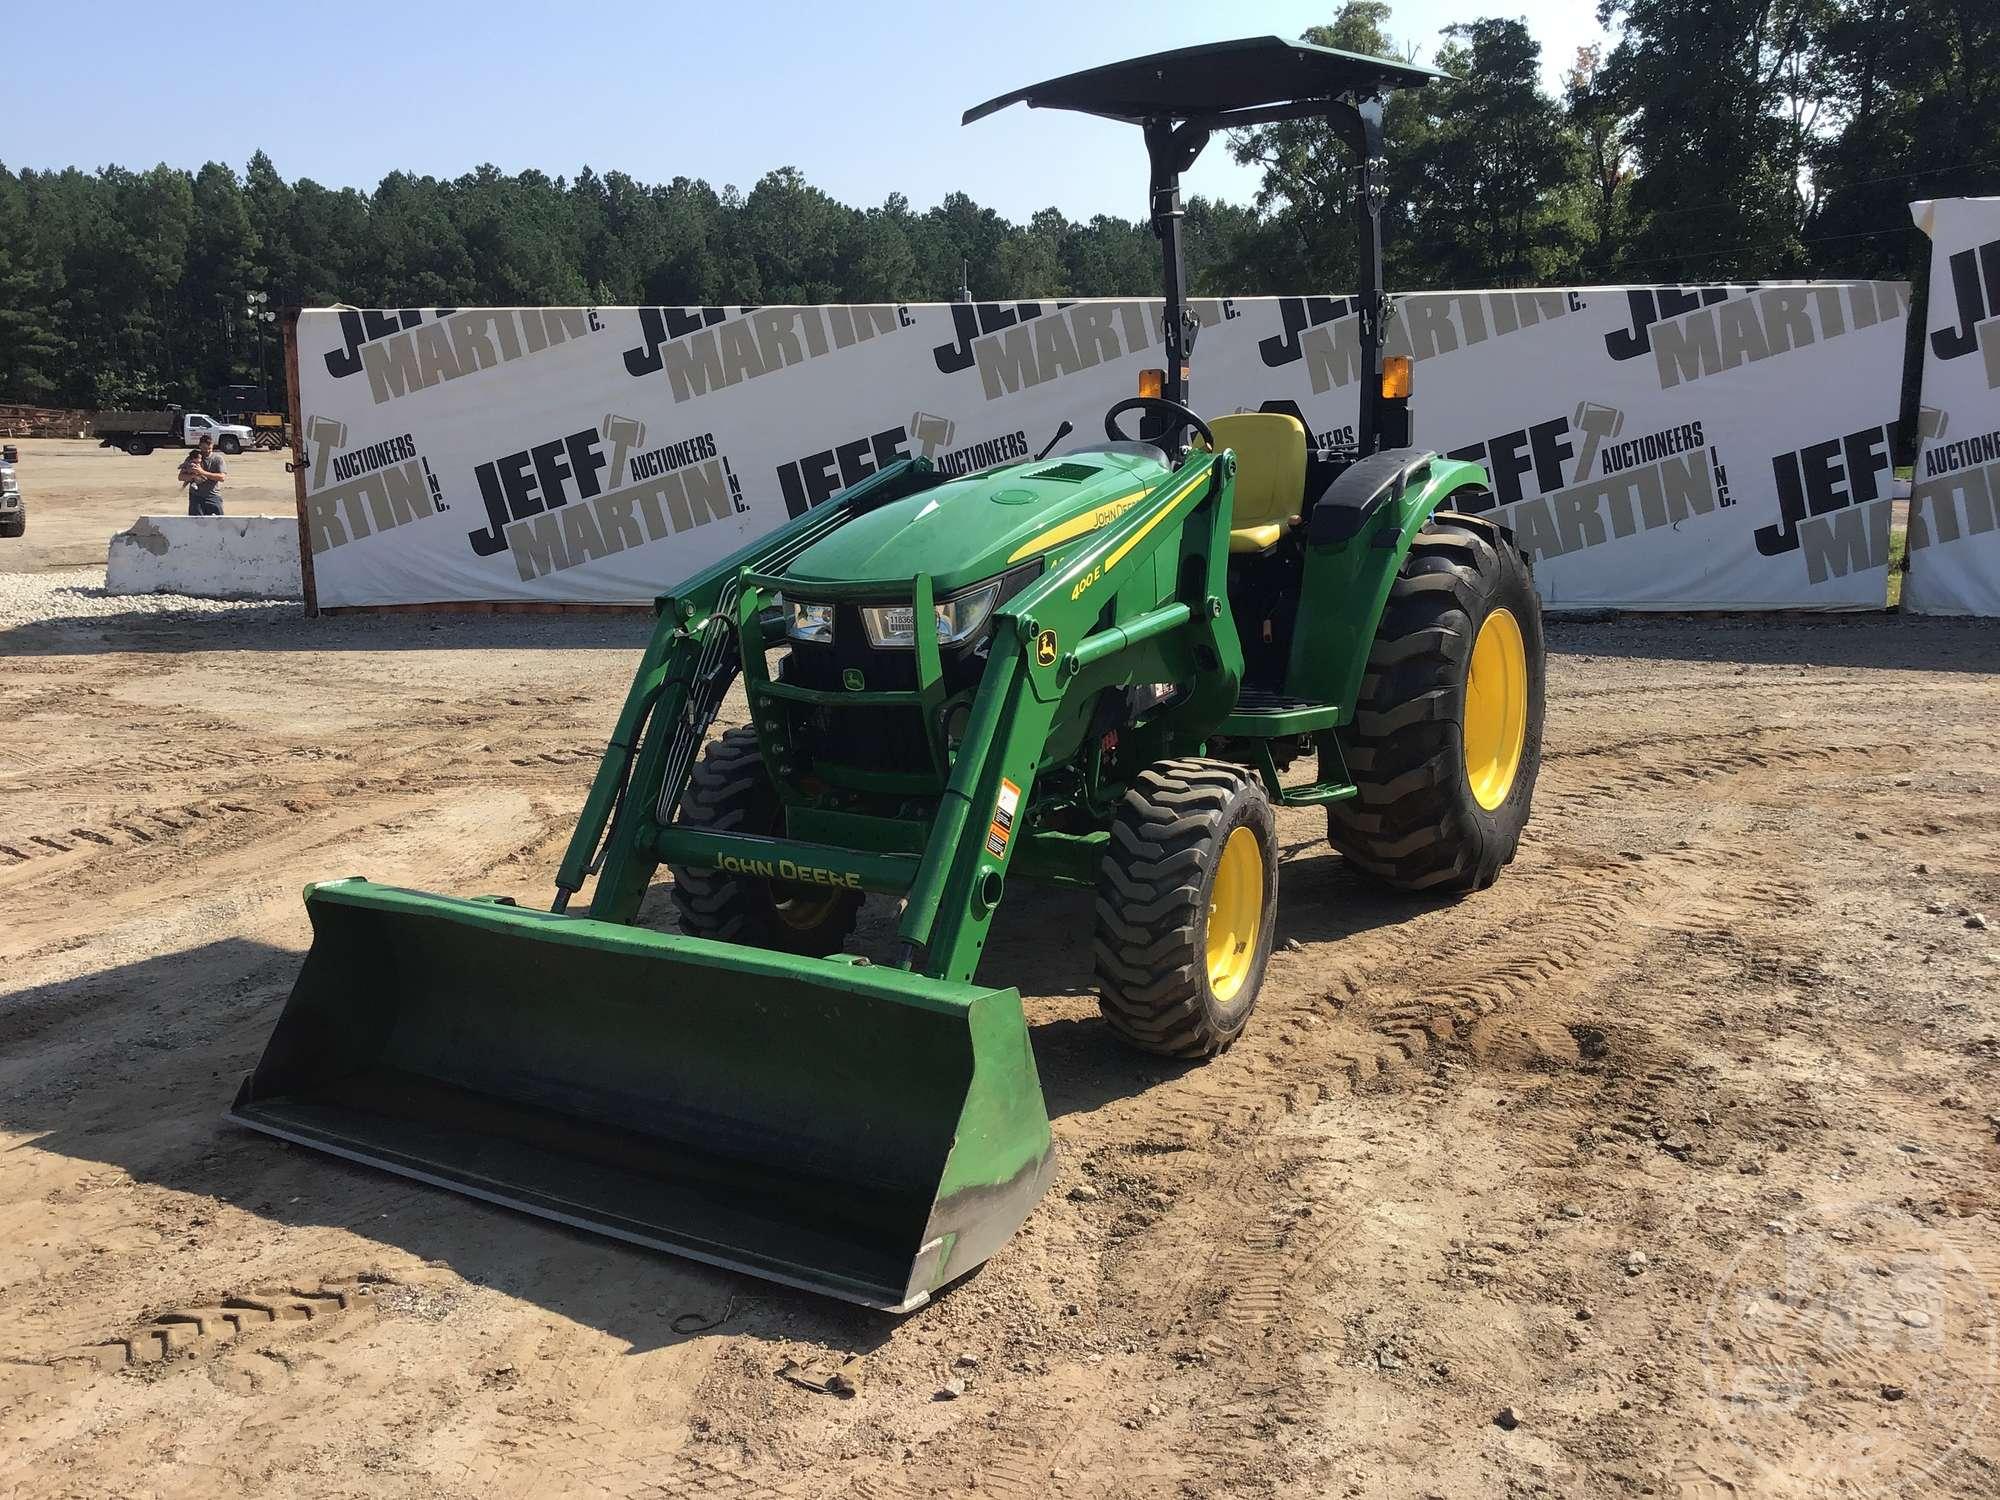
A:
875,737
881,737
823,666
871,737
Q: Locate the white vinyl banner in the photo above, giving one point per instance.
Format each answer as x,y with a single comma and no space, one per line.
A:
1720,447
1955,498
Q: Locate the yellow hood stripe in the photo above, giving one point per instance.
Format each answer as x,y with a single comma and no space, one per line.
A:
1078,525
1160,515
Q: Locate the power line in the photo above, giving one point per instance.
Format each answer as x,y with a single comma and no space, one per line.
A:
1824,239
1691,208
1977,161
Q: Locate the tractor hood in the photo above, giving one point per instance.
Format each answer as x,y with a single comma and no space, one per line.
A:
970,529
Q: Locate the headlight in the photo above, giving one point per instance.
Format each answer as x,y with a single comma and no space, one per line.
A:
895,624
811,622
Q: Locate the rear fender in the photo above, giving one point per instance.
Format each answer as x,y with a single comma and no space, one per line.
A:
1358,536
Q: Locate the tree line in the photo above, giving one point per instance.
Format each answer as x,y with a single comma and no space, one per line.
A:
1716,140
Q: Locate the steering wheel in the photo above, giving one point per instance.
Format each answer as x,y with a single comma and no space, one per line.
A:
1183,419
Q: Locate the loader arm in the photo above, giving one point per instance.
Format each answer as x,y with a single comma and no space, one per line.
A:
687,668
1141,604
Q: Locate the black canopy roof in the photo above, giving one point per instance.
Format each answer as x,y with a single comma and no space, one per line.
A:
1212,81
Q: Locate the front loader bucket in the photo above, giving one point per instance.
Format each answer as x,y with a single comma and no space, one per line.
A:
858,1131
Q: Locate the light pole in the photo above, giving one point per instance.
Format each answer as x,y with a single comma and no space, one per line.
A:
261,317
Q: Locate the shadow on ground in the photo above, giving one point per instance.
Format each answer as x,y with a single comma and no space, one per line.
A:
1041,944
1906,643
1870,640
283,627
133,1066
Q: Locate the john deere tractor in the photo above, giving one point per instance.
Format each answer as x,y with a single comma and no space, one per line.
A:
1103,669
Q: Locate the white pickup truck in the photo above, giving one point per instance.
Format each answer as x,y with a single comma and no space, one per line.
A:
140,432
13,509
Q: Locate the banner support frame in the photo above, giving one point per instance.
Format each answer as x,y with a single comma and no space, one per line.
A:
289,317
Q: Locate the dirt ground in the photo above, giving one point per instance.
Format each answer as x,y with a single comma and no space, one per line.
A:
78,494
1668,1166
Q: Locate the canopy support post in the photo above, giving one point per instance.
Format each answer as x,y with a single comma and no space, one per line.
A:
1172,149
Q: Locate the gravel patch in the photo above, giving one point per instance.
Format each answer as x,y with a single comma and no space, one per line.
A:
68,610
78,595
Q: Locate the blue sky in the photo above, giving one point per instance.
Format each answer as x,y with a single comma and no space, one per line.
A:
864,98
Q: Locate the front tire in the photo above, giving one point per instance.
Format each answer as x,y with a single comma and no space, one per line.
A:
230,444
16,524
1447,738
1187,896
730,792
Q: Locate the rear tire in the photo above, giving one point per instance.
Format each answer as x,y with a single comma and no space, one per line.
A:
729,792
138,447
1187,896
1441,805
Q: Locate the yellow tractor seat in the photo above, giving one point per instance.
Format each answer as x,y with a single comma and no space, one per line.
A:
1270,475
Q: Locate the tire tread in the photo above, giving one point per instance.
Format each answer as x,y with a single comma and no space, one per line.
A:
1414,826
1149,944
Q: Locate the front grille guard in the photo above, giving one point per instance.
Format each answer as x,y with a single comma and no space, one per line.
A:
715,669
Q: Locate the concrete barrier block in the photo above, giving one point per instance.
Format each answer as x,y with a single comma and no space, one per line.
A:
208,557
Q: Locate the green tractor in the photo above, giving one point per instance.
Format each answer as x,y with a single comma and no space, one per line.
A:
1097,670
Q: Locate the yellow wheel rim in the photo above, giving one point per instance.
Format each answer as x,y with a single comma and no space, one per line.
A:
1235,913
1496,709
801,913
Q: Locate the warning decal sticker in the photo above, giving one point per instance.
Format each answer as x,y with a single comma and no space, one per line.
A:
1003,819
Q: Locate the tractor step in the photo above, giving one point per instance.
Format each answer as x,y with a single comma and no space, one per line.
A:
1263,717
1269,716
1318,794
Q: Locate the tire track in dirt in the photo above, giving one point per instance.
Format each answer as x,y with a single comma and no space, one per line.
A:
1622,773
1270,1202
1444,1003
96,773
442,763
1269,1250
574,1456
1012,1458
1513,995
123,829
202,1331
1810,1335
236,860
129,844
